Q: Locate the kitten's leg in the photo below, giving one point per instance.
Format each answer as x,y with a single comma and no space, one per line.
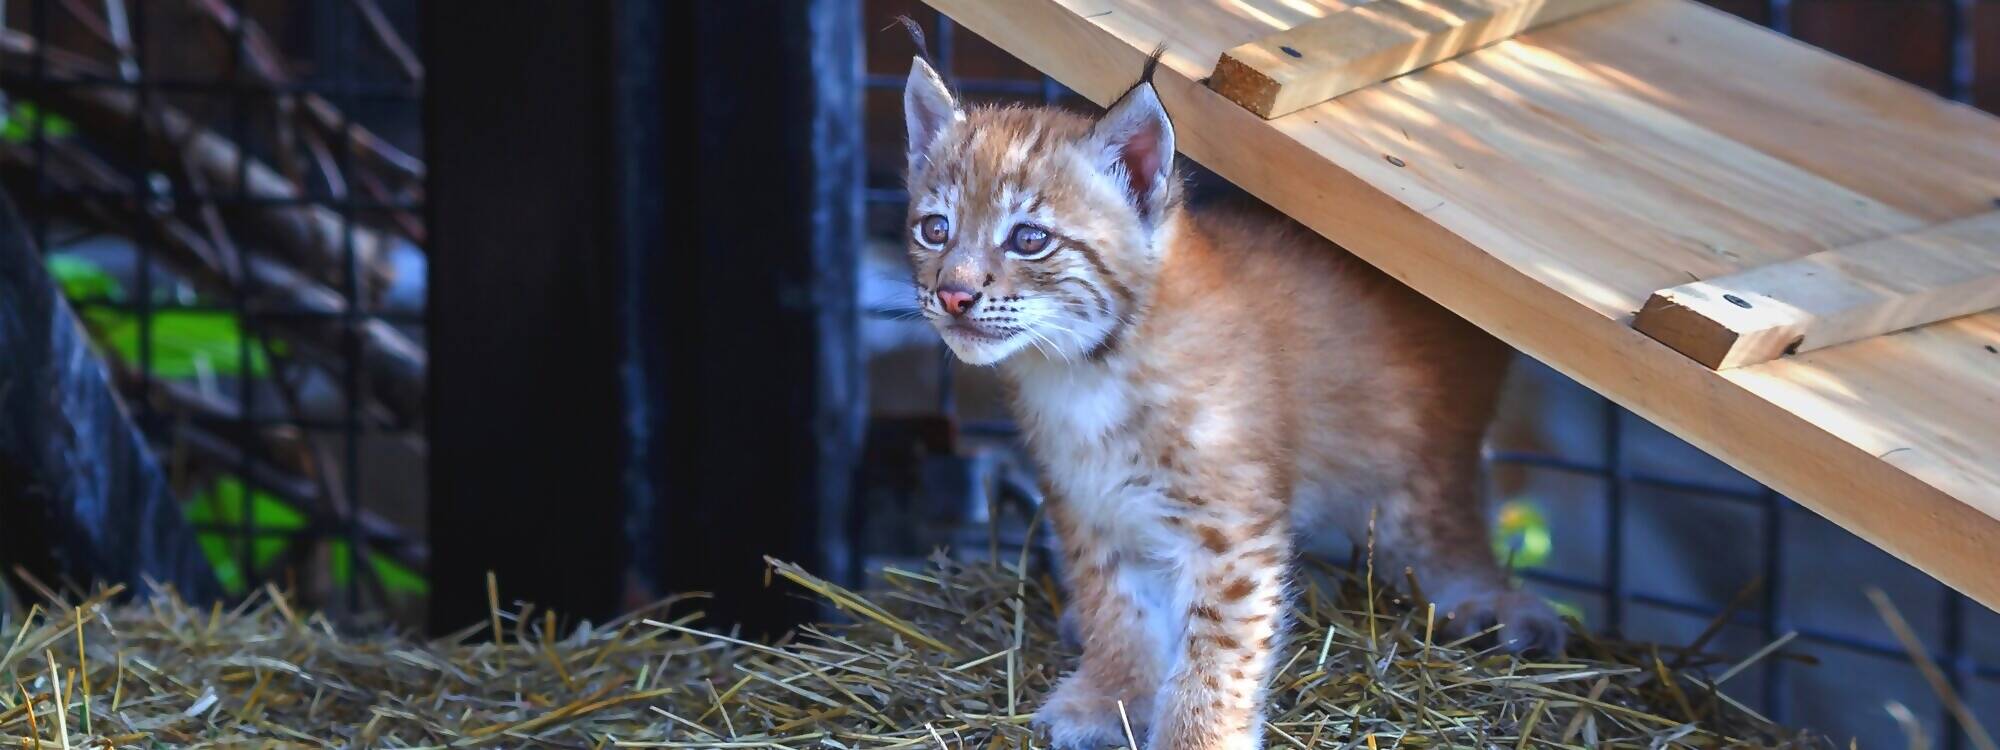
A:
1231,594
1120,660
1439,530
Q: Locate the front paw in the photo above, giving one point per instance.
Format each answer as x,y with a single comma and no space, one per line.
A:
1528,625
1079,716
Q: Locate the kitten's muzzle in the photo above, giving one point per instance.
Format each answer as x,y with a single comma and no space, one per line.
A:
957,300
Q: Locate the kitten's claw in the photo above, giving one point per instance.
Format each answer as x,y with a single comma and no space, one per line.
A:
1079,717
1529,625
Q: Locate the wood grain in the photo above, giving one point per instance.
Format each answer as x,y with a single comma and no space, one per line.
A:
1831,297
1549,183
1366,44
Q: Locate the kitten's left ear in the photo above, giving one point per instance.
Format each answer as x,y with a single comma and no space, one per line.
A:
1137,142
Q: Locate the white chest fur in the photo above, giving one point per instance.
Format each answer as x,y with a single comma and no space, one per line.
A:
1079,422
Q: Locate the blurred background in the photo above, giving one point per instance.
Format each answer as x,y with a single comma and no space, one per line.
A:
608,298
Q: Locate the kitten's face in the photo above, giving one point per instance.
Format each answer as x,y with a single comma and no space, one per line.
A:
1034,229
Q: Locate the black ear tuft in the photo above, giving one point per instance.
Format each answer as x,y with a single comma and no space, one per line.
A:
1152,63
916,31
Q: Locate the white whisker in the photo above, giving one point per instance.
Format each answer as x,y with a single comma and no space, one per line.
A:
1053,344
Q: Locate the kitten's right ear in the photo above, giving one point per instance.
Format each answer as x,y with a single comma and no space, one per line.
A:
928,108
1137,139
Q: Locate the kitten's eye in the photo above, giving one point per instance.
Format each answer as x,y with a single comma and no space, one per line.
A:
1028,241
934,230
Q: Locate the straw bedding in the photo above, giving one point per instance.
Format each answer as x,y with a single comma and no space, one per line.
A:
952,655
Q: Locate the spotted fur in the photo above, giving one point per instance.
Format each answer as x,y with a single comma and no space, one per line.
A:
1206,392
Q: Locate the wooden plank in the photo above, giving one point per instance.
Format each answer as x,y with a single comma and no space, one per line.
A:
1942,166
1371,43
1548,184
1831,297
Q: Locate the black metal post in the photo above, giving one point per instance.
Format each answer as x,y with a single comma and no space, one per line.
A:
748,362
525,420
645,78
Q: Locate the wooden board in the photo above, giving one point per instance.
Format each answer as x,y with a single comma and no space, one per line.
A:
1544,186
1369,43
1831,297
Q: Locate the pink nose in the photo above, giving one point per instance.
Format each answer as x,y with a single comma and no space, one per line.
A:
957,300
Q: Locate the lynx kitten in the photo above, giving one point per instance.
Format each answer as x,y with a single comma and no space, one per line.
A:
1204,392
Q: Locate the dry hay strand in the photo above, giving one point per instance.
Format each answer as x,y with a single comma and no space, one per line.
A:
953,655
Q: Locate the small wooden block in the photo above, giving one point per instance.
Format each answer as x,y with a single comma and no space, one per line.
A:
1831,297
1371,43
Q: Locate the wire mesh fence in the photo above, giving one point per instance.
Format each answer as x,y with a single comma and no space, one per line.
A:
230,195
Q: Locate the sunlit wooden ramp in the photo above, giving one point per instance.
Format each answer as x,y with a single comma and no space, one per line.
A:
1546,186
